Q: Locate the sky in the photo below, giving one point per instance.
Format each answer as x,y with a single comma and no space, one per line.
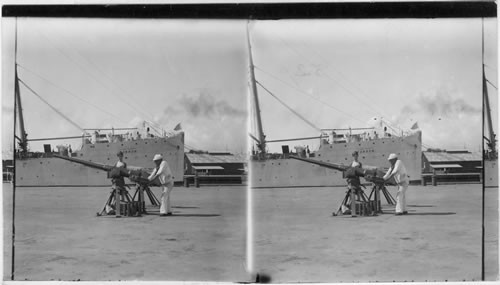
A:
343,73
102,73
334,73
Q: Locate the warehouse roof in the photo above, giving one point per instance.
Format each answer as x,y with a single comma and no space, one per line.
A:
452,156
196,158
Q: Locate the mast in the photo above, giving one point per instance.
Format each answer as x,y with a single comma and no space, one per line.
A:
23,142
492,140
261,136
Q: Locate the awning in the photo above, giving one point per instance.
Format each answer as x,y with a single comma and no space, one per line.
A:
207,167
446,166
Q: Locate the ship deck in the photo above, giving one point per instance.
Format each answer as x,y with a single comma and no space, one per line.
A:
58,236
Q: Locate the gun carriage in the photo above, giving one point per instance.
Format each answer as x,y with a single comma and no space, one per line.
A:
356,202
120,202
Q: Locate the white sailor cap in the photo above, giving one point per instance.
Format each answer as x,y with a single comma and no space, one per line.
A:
392,156
157,157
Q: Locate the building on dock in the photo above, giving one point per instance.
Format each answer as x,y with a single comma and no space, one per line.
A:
216,167
7,170
454,165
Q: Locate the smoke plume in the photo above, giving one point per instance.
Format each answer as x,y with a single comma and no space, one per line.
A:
440,105
204,105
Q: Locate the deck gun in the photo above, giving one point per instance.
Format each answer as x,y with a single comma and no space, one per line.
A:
135,174
369,173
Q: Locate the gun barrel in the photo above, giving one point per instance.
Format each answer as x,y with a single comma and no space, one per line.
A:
335,166
86,163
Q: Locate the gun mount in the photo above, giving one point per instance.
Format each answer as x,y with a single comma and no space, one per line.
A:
120,202
369,173
355,200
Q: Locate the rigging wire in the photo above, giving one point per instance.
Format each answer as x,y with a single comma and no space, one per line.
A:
133,101
361,92
52,107
337,82
289,108
378,111
491,84
93,76
304,92
71,93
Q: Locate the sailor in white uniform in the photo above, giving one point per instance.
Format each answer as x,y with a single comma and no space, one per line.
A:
164,175
398,171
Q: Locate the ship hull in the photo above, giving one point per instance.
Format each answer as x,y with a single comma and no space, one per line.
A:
51,171
490,173
286,172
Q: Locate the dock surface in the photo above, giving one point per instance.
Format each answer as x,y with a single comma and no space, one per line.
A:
59,236
298,240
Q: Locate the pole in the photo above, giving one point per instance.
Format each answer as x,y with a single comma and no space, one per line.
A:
262,138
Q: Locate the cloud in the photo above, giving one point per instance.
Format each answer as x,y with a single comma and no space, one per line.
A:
210,123
446,119
439,104
205,105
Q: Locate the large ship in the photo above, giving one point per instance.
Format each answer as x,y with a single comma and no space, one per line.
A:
42,169
373,144
139,145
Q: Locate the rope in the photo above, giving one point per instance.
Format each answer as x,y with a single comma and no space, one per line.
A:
337,82
69,92
289,108
52,107
309,95
491,84
93,76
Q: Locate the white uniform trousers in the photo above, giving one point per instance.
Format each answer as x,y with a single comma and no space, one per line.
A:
401,197
165,198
